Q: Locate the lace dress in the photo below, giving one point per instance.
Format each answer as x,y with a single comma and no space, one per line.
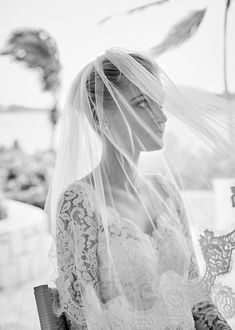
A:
153,270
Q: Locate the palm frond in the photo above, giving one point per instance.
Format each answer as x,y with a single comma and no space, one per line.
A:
133,10
37,50
228,3
180,32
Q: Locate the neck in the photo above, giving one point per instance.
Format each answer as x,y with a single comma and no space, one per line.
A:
114,171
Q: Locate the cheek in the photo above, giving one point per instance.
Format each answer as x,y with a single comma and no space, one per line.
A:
126,131
121,133
142,127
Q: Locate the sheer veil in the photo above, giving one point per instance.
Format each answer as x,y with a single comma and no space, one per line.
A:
114,183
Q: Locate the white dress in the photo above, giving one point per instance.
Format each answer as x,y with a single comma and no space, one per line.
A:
153,270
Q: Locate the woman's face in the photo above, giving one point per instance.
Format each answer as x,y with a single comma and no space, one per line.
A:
125,128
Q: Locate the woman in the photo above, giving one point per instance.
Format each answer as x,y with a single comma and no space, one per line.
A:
123,246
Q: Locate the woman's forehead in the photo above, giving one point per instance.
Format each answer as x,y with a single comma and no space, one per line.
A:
130,91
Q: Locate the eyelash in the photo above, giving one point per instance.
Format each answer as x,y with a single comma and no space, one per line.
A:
144,100
146,103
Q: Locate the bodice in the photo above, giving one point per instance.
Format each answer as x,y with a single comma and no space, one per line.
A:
147,286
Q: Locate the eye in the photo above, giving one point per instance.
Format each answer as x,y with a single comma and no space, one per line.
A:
143,103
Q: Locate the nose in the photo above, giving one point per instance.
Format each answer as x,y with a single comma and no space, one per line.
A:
157,111
162,117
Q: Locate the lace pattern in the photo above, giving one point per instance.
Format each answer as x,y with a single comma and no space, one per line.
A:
205,313
75,226
88,293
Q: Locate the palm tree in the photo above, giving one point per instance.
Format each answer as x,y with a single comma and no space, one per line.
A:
133,10
227,94
38,50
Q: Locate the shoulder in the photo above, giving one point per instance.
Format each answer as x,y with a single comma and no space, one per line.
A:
76,189
76,199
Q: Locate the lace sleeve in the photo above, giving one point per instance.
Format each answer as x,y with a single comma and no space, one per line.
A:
76,227
206,315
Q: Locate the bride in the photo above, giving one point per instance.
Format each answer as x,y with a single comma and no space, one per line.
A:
124,252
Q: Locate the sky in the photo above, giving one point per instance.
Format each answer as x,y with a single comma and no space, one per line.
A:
74,25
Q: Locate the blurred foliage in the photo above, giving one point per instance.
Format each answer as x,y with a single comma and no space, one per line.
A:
25,177
37,50
134,10
180,32
3,209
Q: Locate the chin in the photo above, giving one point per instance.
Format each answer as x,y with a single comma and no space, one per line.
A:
154,147
157,145
151,145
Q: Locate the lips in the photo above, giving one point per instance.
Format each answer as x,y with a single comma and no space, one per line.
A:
161,128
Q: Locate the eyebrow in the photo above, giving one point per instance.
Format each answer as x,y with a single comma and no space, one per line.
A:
137,97
142,95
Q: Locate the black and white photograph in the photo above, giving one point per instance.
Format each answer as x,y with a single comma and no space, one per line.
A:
117,165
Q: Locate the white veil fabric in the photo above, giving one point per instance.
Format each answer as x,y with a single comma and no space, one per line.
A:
122,249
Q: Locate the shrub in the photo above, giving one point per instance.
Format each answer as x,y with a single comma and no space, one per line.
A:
26,177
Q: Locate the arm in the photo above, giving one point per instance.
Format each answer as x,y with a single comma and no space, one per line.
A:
76,240
205,313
